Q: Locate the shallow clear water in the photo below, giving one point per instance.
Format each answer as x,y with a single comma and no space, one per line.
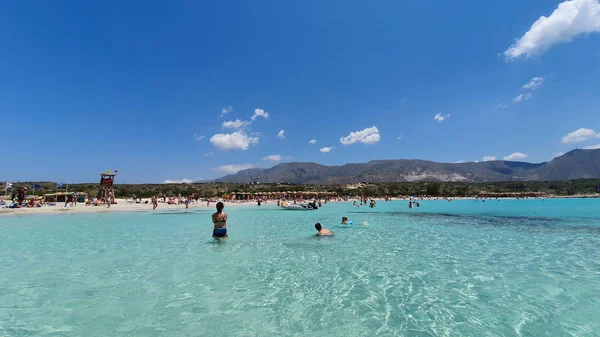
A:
461,268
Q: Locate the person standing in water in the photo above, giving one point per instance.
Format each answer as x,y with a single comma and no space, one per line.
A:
219,220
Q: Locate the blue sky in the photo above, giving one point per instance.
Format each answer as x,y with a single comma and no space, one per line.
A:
115,85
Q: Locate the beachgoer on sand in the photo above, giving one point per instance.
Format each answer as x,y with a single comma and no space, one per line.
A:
154,202
21,195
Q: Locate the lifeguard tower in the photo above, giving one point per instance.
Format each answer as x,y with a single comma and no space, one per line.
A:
107,185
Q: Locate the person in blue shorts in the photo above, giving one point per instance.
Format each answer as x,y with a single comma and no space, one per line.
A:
220,221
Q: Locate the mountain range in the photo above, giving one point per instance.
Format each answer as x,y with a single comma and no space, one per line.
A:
576,164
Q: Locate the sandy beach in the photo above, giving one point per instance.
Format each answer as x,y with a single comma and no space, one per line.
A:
121,205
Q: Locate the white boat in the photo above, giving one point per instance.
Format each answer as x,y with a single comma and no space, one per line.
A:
297,207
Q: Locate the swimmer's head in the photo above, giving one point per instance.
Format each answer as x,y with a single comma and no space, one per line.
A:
318,226
220,206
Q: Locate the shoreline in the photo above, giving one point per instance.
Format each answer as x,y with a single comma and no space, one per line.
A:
124,206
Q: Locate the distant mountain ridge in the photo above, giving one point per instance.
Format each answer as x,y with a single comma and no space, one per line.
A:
576,164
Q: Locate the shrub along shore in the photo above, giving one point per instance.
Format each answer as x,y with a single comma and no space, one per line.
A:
578,187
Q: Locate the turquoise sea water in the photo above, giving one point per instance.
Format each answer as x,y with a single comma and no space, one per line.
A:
461,268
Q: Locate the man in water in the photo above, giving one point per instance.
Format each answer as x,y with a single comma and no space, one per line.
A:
219,220
322,231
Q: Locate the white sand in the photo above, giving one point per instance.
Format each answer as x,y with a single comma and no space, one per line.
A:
122,205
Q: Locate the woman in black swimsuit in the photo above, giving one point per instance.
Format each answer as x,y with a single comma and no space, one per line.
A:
220,221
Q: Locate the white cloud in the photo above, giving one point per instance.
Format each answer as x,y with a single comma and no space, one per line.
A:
579,136
236,124
200,138
501,106
535,83
592,147
440,118
231,169
273,157
259,113
488,158
570,19
399,137
326,149
180,181
460,161
516,156
522,97
233,141
367,136
281,134
476,161
208,154
557,154
226,110
312,141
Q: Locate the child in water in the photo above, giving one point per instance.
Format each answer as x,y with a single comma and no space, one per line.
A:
346,222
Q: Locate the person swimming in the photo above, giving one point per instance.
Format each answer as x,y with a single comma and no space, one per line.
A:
322,231
219,219
345,221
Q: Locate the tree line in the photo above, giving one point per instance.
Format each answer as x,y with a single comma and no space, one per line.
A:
436,189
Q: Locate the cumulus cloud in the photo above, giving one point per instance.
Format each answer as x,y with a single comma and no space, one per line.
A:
273,157
440,118
535,83
233,141
236,124
233,168
570,19
259,113
326,149
488,158
367,136
460,161
200,138
180,181
312,141
579,135
522,97
281,134
592,147
516,156
226,110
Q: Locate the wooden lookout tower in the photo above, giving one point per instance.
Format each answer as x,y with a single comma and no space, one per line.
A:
107,185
